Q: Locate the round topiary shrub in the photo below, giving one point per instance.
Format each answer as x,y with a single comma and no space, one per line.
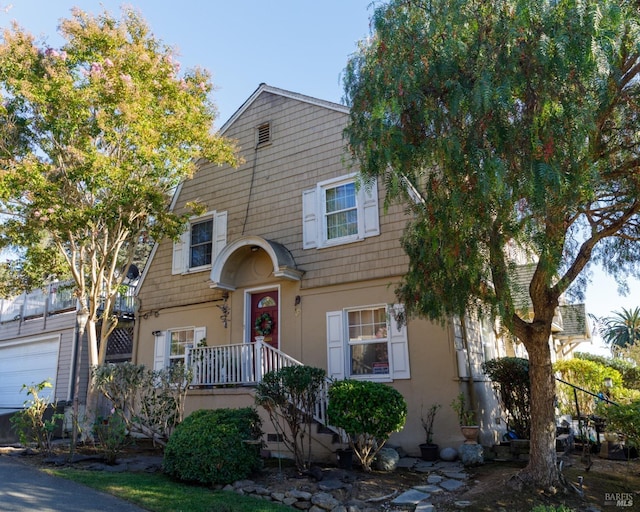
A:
368,412
216,446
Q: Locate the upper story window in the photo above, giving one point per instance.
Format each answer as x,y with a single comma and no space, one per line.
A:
337,212
200,243
367,342
340,211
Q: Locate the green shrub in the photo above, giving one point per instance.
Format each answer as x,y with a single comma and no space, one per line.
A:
587,375
151,402
510,377
289,395
624,419
32,423
216,446
112,436
368,412
629,371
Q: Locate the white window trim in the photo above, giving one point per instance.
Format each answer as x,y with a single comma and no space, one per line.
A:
182,247
338,365
162,344
314,213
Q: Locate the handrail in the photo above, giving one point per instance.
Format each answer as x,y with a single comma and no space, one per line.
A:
246,364
603,398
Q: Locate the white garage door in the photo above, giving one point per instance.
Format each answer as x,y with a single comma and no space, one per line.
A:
27,362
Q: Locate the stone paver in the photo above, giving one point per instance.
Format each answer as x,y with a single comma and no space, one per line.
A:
410,497
451,485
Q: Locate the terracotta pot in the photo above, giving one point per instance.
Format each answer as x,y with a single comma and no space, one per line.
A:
470,433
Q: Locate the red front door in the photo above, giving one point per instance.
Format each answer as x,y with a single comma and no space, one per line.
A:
264,316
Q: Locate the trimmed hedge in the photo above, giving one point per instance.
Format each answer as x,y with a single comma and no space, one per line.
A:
368,412
210,446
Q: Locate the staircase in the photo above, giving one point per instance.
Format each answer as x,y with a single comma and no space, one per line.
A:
245,364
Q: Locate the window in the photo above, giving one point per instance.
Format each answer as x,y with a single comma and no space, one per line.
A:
367,342
199,245
171,345
338,211
341,214
179,341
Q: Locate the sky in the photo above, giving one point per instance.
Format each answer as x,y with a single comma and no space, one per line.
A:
298,45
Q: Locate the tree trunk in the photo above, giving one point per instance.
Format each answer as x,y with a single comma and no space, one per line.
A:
542,469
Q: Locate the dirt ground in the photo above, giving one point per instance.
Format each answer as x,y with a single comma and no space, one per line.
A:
601,484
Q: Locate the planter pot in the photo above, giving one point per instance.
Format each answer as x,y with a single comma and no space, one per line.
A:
345,458
429,451
470,433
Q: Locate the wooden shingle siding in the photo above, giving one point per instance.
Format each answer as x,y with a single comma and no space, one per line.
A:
263,197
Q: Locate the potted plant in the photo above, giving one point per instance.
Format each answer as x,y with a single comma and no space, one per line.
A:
466,419
429,449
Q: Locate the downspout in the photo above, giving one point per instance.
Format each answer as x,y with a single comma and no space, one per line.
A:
473,401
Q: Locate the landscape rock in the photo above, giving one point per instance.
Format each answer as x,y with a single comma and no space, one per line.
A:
387,459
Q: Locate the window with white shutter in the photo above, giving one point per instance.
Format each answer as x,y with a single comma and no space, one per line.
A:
200,243
337,212
367,343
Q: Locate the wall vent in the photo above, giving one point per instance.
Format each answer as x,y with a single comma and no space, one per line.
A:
263,134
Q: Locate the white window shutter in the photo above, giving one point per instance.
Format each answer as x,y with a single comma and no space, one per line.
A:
368,196
181,252
160,351
399,346
310,219
335,345
199,333
219,234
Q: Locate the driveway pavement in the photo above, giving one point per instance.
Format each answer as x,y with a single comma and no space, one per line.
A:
24,488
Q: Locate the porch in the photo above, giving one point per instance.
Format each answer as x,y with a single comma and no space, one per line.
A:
244,364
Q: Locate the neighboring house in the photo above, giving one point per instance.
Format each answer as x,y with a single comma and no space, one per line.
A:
295,263
39,342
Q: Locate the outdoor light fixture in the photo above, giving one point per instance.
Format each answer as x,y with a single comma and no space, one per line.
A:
608,382
225,309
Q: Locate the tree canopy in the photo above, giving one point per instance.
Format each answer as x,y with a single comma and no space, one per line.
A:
96,134
510,129
621,329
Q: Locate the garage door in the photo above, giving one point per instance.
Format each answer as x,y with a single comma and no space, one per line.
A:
29,362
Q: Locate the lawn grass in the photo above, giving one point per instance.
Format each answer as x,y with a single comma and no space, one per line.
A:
158,493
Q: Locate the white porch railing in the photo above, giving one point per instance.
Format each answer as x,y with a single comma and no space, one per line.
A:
245,364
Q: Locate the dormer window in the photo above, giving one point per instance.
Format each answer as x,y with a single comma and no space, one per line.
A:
263,135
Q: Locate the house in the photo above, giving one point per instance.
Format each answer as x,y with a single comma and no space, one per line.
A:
39,341
295,262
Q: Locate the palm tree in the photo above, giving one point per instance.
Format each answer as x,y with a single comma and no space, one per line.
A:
621,329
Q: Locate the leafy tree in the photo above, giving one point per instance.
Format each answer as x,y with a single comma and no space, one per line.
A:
289,396
621,329
509,129
95,137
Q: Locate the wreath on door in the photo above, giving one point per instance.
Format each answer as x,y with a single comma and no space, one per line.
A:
264,324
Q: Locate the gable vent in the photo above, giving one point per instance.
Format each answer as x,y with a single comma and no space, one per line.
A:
263,134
